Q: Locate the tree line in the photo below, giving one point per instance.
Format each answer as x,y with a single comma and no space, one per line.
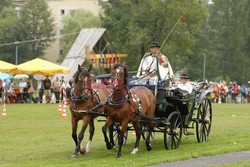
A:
218,29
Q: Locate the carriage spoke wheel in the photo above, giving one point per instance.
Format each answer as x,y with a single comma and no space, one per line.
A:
173,132
204,122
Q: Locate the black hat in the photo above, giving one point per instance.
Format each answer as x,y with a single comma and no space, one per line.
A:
184,76
155,43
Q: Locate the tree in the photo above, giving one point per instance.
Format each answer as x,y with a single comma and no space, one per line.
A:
229,34
74,22
5,3
8,33
132,24
36,22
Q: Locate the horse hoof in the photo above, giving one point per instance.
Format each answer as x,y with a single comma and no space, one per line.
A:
74,156
135,150
149,147
109,146
118,155
83,150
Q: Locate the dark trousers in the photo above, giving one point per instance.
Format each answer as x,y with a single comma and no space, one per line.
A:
57,95
40,95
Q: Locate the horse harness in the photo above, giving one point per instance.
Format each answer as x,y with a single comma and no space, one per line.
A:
130,98
81,98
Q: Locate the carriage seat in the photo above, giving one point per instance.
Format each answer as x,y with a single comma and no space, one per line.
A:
146,82
179,99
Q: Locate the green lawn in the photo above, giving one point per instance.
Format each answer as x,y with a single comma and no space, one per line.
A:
35,135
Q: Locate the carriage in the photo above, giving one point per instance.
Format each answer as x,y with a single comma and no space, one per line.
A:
180,112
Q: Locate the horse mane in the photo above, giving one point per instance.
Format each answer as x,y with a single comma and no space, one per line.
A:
125,72
84,72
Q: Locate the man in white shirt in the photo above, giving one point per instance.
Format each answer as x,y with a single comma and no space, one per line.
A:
185,84
155,67
22,85
155,64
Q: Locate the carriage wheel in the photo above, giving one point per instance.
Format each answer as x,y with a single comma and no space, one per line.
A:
204,121
172,137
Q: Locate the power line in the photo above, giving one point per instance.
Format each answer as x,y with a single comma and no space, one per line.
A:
35,40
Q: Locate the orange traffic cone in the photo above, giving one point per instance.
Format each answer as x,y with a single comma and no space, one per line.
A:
64,114
59,109
4,114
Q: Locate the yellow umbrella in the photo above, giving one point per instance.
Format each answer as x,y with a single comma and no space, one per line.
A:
40,66
6,67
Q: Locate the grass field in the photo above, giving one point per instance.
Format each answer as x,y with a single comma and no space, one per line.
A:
35,135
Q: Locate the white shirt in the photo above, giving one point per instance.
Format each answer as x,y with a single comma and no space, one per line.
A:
165,72
187,87
149,61
22,85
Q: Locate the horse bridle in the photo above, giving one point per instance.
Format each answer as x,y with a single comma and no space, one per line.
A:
86,97
117,77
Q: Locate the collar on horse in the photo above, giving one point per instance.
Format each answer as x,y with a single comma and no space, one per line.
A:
118,103
76,99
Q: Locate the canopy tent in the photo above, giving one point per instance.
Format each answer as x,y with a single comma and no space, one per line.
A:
6,67
40,66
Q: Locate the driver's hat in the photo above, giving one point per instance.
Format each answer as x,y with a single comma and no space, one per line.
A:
184,76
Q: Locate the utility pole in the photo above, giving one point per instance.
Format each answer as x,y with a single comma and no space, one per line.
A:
16,43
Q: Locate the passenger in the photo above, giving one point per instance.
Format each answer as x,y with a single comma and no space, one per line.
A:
185,84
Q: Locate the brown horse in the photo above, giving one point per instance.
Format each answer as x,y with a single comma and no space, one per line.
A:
124,106
84,98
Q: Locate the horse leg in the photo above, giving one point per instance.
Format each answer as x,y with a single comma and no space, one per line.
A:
138,137
104,131
74,129
91,134
80,136
111,135
121,133
150,130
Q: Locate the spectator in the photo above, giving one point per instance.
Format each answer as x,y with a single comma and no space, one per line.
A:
47,89
22,86
11,93
13,85
235,92
224,91
56,89
69,86
229,93
40,88
29,91
244,92
1,91
62,80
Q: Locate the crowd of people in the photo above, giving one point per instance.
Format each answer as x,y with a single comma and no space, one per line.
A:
47,91
229,92
23,91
